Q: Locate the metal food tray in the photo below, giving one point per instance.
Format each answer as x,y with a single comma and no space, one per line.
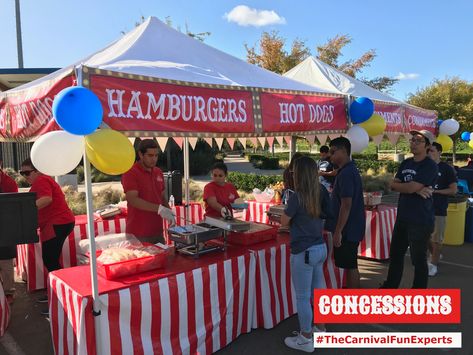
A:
232,225
194,233
275,212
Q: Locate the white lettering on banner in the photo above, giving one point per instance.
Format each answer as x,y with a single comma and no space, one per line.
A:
112,102
212,102
186,117
321,113
392,118
173,107
174,111
135,105
291,113
421,121
152,104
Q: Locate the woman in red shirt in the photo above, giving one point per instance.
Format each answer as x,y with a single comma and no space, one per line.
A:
7,254
219,194
55,219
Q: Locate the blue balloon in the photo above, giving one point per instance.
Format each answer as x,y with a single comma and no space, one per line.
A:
465,136
361,109
77,110
439,122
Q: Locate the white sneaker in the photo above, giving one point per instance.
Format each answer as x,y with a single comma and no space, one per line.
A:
432,269
315,329
300,342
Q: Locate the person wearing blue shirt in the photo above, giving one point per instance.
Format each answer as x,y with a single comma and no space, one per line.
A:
348,226
304,213
446,186
414,181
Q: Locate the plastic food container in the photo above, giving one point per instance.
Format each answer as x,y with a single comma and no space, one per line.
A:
134,266
258,233
372,198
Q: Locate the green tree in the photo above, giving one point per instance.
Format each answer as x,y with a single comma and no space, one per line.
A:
273,56
331,52
450,97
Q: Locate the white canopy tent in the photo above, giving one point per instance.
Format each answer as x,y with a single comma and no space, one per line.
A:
313,71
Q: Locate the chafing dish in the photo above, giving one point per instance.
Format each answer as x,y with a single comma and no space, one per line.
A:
228,224
190,239
275,212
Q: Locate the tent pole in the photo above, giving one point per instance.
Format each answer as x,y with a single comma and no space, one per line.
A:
91,236
186,175
293,147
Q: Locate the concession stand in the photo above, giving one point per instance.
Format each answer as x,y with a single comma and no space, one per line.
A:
158,82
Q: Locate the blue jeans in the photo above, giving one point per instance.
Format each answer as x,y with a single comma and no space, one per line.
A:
305,278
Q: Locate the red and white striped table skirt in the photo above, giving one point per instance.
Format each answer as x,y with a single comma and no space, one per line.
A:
256,211
30,261
198,311
4,312
379,230
275,298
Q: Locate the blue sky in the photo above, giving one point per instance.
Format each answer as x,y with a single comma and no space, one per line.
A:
419,40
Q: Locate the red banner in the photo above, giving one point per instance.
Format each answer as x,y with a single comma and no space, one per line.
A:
28,113
293,113
387,306
392,115
134,105
417,119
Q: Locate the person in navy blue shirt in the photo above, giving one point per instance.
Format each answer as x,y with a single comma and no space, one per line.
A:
414,180
304,213
446,186
348,226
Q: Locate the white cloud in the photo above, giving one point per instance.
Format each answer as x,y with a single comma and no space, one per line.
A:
246,16
406,76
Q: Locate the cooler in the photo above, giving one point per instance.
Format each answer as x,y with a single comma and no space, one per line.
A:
455,229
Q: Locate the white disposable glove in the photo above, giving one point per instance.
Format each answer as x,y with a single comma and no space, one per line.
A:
225,212
167,214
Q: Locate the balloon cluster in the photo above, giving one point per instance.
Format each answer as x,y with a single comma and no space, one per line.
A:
467,137
366,124
78,111
446,129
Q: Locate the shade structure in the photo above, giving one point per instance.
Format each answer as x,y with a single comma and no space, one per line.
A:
156,81
401,118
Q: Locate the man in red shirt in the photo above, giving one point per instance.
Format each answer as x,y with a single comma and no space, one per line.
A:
144,189
7,254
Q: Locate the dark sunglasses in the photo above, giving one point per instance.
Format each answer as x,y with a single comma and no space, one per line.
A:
26,172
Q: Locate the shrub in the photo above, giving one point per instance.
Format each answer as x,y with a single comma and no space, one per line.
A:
76,200
20,180
247,182
377,165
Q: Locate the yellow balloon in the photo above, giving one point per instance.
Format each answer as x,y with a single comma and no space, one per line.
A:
445,141
375,125
470,143
110,151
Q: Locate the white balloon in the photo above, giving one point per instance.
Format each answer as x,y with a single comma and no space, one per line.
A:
359,138
449,127
57,153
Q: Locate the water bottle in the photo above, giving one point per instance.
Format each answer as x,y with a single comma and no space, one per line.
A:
171,201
